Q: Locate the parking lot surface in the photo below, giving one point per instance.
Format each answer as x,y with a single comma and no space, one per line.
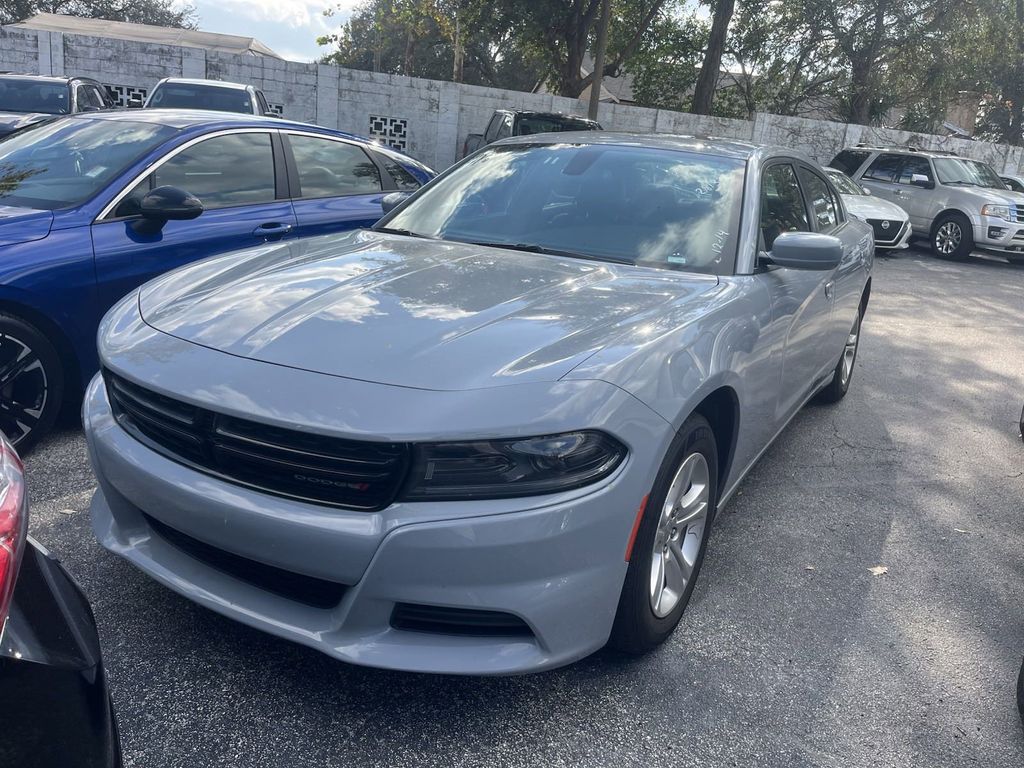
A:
793,651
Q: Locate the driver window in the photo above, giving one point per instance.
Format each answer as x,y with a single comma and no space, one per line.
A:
782,205
505,130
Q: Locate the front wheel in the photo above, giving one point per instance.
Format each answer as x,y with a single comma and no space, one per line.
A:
952,237
840,384
31,382
670,543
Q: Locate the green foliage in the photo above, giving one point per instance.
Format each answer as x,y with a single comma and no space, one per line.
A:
161,13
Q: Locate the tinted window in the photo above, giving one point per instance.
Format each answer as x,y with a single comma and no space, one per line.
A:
885,168
849,160
332,168
89,97
223,171
18,95
782,205
492,127
913,166
669,209
1013,184
67,161
404,181
505,129
529,124
822,202
189,96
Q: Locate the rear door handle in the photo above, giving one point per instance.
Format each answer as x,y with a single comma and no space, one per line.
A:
830,288
272,229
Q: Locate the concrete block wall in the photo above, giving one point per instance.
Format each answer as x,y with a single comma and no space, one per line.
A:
429,118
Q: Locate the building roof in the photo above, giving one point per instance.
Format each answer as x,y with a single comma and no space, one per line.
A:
146,33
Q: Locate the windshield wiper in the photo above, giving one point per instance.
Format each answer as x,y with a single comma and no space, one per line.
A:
394,231
534,248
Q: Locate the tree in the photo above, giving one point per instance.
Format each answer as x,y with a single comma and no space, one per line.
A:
161,13
710,71
665,67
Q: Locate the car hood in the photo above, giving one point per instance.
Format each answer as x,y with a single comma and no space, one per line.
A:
872,207
412,312
12,121
23,225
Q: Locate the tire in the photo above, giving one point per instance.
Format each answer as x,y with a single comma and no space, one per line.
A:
843,374
31,383
952,237
644,619
1020,693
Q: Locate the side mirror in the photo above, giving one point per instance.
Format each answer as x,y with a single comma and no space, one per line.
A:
920,180
165,204
866,190
805,250
392,200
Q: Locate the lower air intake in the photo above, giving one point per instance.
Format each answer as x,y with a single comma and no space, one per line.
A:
457,621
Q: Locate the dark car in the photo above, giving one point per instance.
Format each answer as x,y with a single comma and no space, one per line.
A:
79,229
520,122
57,710
29,99
217,95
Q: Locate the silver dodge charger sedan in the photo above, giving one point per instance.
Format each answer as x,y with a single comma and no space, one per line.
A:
490,435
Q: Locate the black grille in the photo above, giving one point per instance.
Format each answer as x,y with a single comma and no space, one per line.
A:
312,591
457,621
298,465
887,235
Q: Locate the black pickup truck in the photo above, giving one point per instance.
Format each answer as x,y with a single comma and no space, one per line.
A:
518,122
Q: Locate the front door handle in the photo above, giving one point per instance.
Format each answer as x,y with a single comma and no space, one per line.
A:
830,288
272,230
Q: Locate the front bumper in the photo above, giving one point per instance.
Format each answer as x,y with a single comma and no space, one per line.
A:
890,234
999,235
555,562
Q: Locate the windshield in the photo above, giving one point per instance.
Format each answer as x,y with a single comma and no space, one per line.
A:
654,207
957,170
844,183
188,96
530,124
65,162
18,95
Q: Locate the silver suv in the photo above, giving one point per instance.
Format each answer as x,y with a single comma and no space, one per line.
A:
957,203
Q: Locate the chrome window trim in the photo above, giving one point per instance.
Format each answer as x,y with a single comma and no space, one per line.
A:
109,208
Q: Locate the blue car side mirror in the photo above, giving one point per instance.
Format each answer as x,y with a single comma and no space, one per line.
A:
165,204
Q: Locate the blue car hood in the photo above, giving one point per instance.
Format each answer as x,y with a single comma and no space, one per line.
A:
413,312
23,225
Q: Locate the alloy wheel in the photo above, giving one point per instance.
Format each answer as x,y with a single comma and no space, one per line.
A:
24,388
850,353
681,529
948,238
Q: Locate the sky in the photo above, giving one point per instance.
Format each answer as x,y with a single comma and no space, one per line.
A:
289,27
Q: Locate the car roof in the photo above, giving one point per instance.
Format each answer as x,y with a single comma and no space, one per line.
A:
40,78
899,150
185,119
734,148
200,81
537,113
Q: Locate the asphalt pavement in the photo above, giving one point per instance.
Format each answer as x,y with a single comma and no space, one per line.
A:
862,601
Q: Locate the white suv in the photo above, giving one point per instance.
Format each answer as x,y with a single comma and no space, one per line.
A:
958,203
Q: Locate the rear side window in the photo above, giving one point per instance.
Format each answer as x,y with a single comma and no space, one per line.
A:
822,202
782,205
849,160
223,171
404,181
333,168
885,168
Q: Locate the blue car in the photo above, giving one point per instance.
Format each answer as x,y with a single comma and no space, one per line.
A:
93,205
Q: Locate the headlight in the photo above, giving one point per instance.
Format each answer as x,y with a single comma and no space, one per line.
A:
527,466
999,211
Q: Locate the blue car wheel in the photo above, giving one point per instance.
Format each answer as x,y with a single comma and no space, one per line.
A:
31,382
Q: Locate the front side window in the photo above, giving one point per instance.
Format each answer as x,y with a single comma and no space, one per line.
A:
65,162
885,168
822,202
914,166
849,160
17,95
1013,184
653,207
224,171
959,171
333,168
782,204
505,129
89,98
404,181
